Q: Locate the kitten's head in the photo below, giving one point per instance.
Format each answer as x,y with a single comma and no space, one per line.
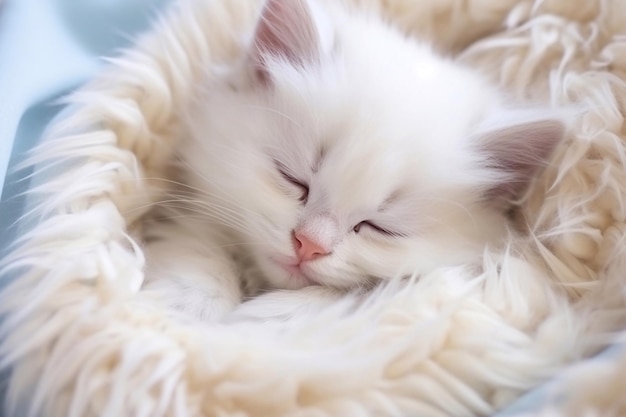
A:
348,152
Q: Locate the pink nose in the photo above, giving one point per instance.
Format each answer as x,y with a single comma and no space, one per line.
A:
306,249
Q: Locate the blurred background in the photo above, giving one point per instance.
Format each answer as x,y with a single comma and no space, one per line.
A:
47,49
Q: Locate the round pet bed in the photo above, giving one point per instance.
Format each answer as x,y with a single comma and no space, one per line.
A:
81,338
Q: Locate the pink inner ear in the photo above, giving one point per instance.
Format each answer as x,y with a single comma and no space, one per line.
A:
519,151
286,30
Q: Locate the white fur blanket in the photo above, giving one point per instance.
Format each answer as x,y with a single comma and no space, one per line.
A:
82,339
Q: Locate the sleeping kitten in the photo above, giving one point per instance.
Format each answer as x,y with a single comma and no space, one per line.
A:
339,153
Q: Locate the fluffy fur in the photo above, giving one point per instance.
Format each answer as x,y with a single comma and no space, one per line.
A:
336,151
82,339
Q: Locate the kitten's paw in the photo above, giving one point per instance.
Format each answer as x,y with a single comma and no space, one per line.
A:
191,303
285,304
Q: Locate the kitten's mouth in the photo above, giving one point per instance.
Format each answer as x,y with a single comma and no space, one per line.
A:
294,269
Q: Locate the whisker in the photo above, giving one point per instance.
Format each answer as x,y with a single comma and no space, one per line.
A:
223,218
469,214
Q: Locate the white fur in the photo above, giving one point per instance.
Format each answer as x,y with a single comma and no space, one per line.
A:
379,127
82,339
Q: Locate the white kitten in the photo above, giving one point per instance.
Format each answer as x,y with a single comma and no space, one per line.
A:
339,153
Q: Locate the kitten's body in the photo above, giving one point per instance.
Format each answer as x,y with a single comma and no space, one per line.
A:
339,153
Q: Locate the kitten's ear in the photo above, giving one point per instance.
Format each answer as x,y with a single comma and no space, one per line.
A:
517,152
288,30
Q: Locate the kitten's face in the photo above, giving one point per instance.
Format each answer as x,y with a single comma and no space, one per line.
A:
352,155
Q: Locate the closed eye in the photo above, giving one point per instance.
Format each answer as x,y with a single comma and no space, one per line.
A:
302,186
376,228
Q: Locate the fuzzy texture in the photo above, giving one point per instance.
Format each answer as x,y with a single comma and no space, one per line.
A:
82,339
321,156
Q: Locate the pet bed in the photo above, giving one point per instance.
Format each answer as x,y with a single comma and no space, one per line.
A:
80,337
